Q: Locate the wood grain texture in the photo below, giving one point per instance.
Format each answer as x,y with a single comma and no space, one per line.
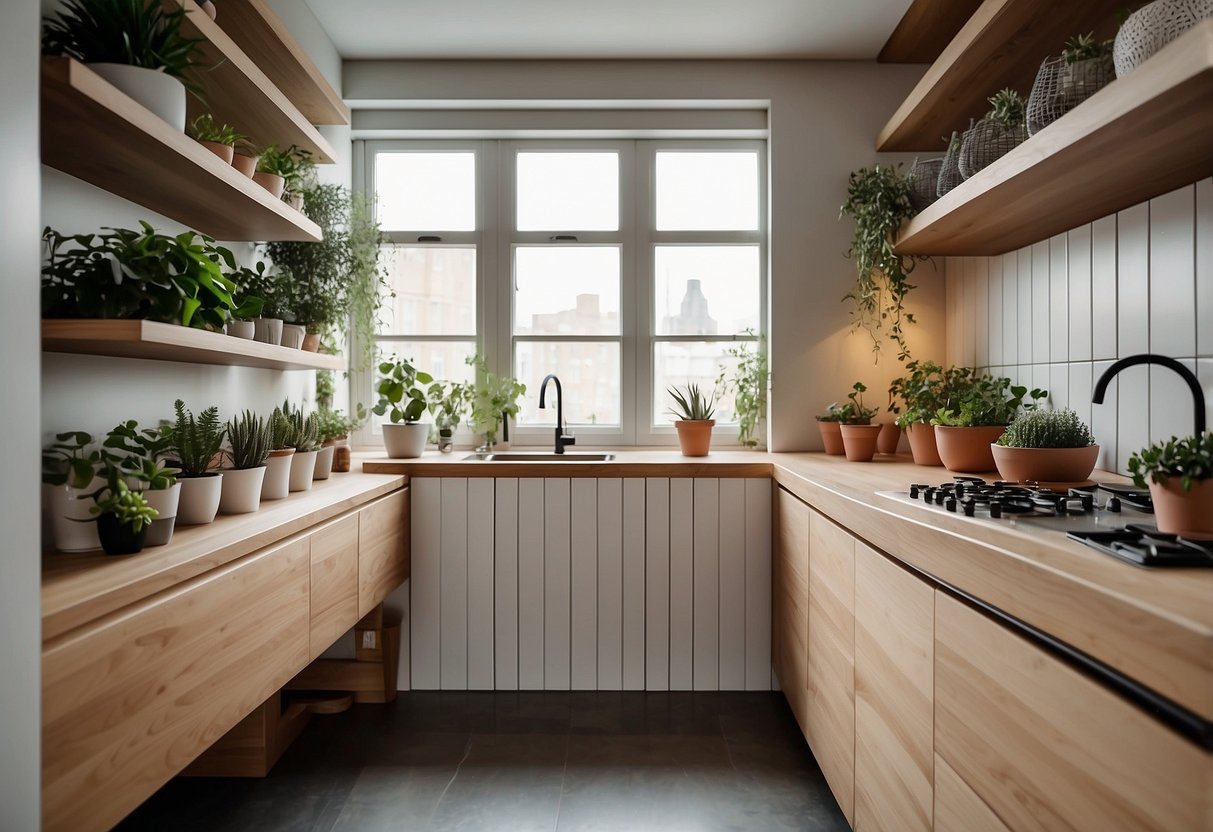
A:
894,696
334,582
127,703
831,669
957,807
790,604
1101,157
1046,748
664,464
255,744
95,132
925,30
383,549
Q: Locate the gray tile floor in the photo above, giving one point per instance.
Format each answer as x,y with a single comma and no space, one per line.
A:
675,762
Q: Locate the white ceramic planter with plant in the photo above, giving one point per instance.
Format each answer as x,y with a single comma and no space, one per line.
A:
1179,473
137,453
324,462
248,437
304,434
194,446
403,402
69,478
276,484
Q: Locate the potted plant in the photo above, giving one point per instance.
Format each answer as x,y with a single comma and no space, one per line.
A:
447,401
922,391
492,402
335,429
1062,83
218,139
1046,446
246,157
974,416
748,384
830,425
123,517
403,401
878,199
138,456
69,479
275,165
135,45
248,305
858,433
1179,473
693,413
248,438
276,484
1002,129
305,431
194,445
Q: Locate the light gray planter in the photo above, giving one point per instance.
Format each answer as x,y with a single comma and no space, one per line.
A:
199,499
303,465
268,330
276,484
324,462
166,502
405,441
163,94
241,490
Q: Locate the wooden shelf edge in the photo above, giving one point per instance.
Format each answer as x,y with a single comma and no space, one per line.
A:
157,341
1100,158
925,30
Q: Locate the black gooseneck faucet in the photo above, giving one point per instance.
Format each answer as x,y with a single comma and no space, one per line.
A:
1198,395
561,439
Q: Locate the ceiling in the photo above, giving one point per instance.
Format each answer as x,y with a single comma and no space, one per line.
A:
609,29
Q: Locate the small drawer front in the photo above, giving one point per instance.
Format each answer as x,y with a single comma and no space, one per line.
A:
128,702
334,582
383,549
1045,747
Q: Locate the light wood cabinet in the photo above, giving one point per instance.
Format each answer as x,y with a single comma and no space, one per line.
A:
957,807
383,549
334,571
790,604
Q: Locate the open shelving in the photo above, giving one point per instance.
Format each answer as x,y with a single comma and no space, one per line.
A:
926,28
1143,135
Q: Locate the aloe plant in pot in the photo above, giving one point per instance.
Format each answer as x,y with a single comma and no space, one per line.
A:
70,477
306,434
248,437
693,411
138,453
1052,446
1179,473
276,484
194,445
858,433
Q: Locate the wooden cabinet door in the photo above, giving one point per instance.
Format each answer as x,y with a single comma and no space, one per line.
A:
383,549
894,697
831,674
791,603
1045,747
334,582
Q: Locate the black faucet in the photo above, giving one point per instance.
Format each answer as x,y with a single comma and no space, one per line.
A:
561,439
1198,395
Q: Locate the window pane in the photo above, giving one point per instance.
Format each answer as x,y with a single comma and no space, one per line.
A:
568,191
426,191
706,290
589,379
435,290
445,360
690,362
707,191
566,290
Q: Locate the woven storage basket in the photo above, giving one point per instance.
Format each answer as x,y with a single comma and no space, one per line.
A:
1154,26
949,171
985,142
924,179
1060,87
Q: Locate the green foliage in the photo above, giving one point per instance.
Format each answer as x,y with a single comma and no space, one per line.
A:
68,461
400,396
204,129
491,397
249,436
130,507
983,401
748,383
1047,429
448,400
293,164
368,287
1189,458
1008,109
878,199
304,431
333,424
1086,48
193,443
924,389
139,452
690,404
853,412
143,33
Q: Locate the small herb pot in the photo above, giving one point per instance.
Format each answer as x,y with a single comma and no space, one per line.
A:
224,151
889,438
1053,465
69,509
292,335
324,462
165,501
245,164
117,537
1185,513
859,441
272,182
922,444
831,438
967,450
695,436
199,499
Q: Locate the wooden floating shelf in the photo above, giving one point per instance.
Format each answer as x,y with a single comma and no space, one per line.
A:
95,132
926,28
1144,135
257,30
1002,45
168,342
237,91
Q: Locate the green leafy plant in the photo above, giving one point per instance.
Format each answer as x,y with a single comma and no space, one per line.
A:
68,460
836,413
748,384
878,200
447,401
1047,429
923,390
333,424
985,401
1086,48
204,129
859,414
142,33
128,506
194,443
1190,459
312,278
139,452
1008,109
690,403
293,164
492,398
248,436
401,397
368,287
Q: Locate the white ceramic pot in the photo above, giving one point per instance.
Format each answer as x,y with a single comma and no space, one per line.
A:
199,499
241,329
241,490
163,94
276,484
292,335
406,441
324,463
303,465
166,502
268,330
72,528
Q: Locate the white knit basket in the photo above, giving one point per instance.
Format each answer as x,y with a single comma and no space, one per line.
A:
1154,26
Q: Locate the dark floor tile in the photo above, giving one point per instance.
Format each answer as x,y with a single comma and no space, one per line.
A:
648,751
395,797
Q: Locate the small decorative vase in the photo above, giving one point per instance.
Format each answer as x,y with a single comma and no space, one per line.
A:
224,151
341,455
859,441
311,342
1185,513
276,484
967,450
117,538
303,466
922,444
695,436
889,438
324,462
199,499
446,440
241,490
831,437
405,441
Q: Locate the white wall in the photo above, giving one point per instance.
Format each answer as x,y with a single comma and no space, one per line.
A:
20,641
824,118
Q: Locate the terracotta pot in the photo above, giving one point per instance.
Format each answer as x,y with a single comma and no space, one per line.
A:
967,450
324,462
311,342
889,438
831,437
922,444
118,539
199,501
303,466
224,151
241,490
695,436
859,441
1059,465
405,440
272,182
245,164
276,484
1185,513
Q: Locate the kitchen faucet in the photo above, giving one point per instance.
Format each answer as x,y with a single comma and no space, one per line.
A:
561,439
1198,396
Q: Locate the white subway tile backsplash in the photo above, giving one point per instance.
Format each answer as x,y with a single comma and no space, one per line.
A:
1204,268
1076,272
1040,302
1059,299
1103,418
1133,279
1172,273
982,336
1103,288
1059,385
1132,413
1080,385
1010,307
1204,372
1171,405
996,311
1023,302
1040,377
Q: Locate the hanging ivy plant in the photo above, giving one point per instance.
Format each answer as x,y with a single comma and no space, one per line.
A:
878,199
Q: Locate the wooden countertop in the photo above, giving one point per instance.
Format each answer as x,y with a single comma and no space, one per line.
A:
78,588
642,463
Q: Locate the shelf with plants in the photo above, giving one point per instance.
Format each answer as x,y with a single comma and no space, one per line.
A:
1141,136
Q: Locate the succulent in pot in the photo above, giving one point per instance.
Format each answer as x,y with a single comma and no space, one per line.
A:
856,429
305,434
276,484
1179,473
1052,446
70,477
195,445
123,516
693,411
219,139
974,416
248,438
138,453
403,400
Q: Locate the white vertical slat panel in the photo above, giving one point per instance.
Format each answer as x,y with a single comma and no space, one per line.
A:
1078,286
732,584
758,584
584,538
453,617
505,585
1059,299
706,668
1039,301
1204,267
480,584
530,584
1011,310
682,582
1104,303
996,314
981,312
557,579
657,584
425,580
1173,273
633,583
1133,280
610,584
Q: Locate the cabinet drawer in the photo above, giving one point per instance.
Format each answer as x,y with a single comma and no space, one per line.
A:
1045,747
383,549
334,582
129,701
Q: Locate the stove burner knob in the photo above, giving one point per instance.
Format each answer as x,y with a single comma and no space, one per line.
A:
969,507
950,505
940,496
1113,504
1087,500
1062,506
960,489
913,492
995,509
